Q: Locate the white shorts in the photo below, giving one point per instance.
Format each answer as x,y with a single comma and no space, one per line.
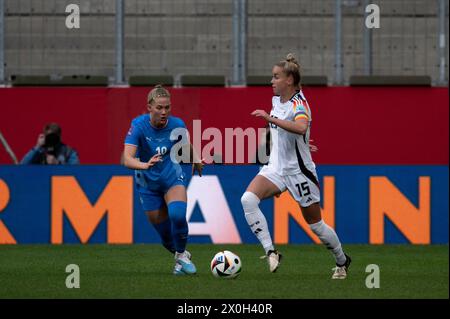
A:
303,189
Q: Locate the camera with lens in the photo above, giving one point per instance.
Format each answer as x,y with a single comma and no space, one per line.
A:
52,140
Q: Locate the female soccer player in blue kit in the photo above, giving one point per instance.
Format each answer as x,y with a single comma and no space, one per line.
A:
159,178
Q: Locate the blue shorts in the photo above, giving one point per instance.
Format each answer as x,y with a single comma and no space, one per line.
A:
152,195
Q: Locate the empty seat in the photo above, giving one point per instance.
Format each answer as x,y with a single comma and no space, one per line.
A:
150,80
202,80
314,80
84,80
30,80
47,80
258,80
310,80
390,80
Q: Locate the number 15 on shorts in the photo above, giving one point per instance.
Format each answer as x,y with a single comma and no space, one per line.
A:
303,189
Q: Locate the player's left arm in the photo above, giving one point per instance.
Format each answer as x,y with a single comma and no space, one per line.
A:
298,126
197,162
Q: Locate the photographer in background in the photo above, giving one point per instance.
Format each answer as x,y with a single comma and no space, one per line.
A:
50,150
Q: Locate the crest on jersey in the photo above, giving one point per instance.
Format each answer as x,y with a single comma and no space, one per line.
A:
152,139
130,131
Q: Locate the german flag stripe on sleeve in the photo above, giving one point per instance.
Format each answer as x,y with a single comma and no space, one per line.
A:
301,115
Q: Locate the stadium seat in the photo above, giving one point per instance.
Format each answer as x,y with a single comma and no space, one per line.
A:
30,80
46,80
314,80
258,80
202,80
263,80
396,80
84,80
150,80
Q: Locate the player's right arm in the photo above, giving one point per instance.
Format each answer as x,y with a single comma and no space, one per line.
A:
299,126
130,149
132,162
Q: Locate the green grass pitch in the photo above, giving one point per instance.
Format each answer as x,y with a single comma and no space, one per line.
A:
145,271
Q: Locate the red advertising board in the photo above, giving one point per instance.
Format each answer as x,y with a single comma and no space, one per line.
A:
370,125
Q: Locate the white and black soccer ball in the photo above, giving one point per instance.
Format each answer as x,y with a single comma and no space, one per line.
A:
226,264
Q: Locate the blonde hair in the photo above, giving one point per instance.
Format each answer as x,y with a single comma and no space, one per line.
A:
290,66
158,91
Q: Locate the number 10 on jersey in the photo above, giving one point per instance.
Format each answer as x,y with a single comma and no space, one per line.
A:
161,150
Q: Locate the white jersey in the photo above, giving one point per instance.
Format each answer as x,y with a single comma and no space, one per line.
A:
290,153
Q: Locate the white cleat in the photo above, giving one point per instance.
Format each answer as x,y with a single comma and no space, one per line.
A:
273,259
188,254
340,272
183,264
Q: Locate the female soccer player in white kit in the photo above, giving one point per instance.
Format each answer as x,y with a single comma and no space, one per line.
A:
290,167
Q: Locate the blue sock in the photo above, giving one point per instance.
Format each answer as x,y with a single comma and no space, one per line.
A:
164,230
177,214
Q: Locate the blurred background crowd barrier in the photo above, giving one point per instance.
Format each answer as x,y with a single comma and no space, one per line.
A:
222,42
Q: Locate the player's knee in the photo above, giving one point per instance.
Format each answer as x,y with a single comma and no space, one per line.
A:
153,216
177,213
249,201
317,228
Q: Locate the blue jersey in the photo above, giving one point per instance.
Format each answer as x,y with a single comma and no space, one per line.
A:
150,141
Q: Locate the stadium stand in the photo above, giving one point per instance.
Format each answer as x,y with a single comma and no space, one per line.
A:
162,36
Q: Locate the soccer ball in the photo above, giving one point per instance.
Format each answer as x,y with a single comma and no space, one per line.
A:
226,264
